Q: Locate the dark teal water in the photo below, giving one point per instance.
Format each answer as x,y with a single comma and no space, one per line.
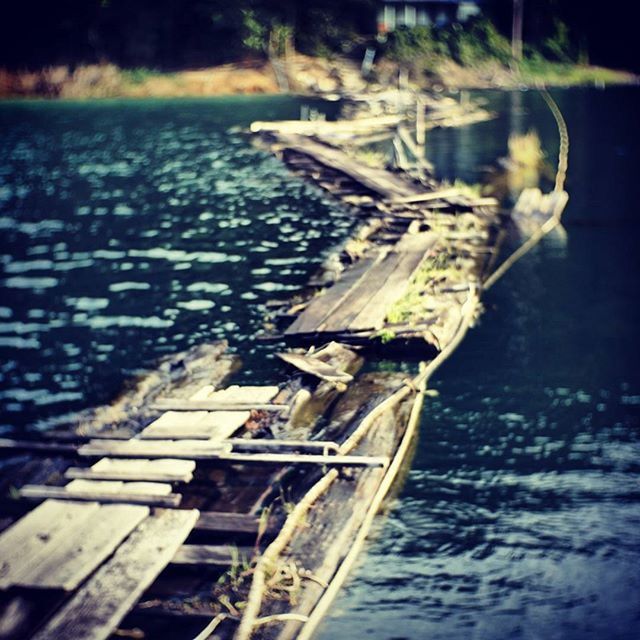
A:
132,230
520,517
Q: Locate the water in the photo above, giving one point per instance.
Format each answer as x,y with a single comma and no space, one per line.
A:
520,517
136,229
132,230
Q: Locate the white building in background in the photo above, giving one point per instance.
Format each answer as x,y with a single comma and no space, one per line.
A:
412,13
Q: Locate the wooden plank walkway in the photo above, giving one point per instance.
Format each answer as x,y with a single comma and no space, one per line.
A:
361,300
381,181
95,610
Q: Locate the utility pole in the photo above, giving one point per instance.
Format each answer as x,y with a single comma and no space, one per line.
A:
516,33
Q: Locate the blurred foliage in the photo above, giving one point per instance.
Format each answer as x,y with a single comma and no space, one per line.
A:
423,48
172,34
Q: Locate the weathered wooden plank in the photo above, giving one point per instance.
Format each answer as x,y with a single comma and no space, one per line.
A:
83,549
221,521
178,404
37,533
179,449
146,473
95,611
246,394
359,297
211,555
316,367
195,424
397,283
311,127
43,492
118,486
324,304
161,470
383,182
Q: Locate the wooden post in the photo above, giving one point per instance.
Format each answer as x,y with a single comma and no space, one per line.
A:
516,34
420,126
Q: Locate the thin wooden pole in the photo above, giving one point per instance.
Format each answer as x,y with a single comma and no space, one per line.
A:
516,34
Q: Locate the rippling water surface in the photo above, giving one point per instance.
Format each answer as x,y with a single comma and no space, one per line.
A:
135,229
132,230
520,516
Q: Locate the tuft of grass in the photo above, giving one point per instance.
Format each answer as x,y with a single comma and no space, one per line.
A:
525,149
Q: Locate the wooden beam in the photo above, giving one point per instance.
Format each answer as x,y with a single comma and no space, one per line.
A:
282,445
43,492
211,555
95,611
442,194
83,473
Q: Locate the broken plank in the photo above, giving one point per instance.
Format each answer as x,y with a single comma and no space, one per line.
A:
383,182
43,492
211,555
95,611
221,521
216,425
84,549
37,533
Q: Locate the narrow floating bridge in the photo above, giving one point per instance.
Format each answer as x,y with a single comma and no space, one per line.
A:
172,479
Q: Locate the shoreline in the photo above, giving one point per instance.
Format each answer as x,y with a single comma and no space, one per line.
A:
312,77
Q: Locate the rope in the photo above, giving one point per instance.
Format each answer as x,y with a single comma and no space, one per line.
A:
563,153
269,559
561,177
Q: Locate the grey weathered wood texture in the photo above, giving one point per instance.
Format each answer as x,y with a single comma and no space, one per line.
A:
43,492
34,536
82,549
161,470
95,611
364,304
211,555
